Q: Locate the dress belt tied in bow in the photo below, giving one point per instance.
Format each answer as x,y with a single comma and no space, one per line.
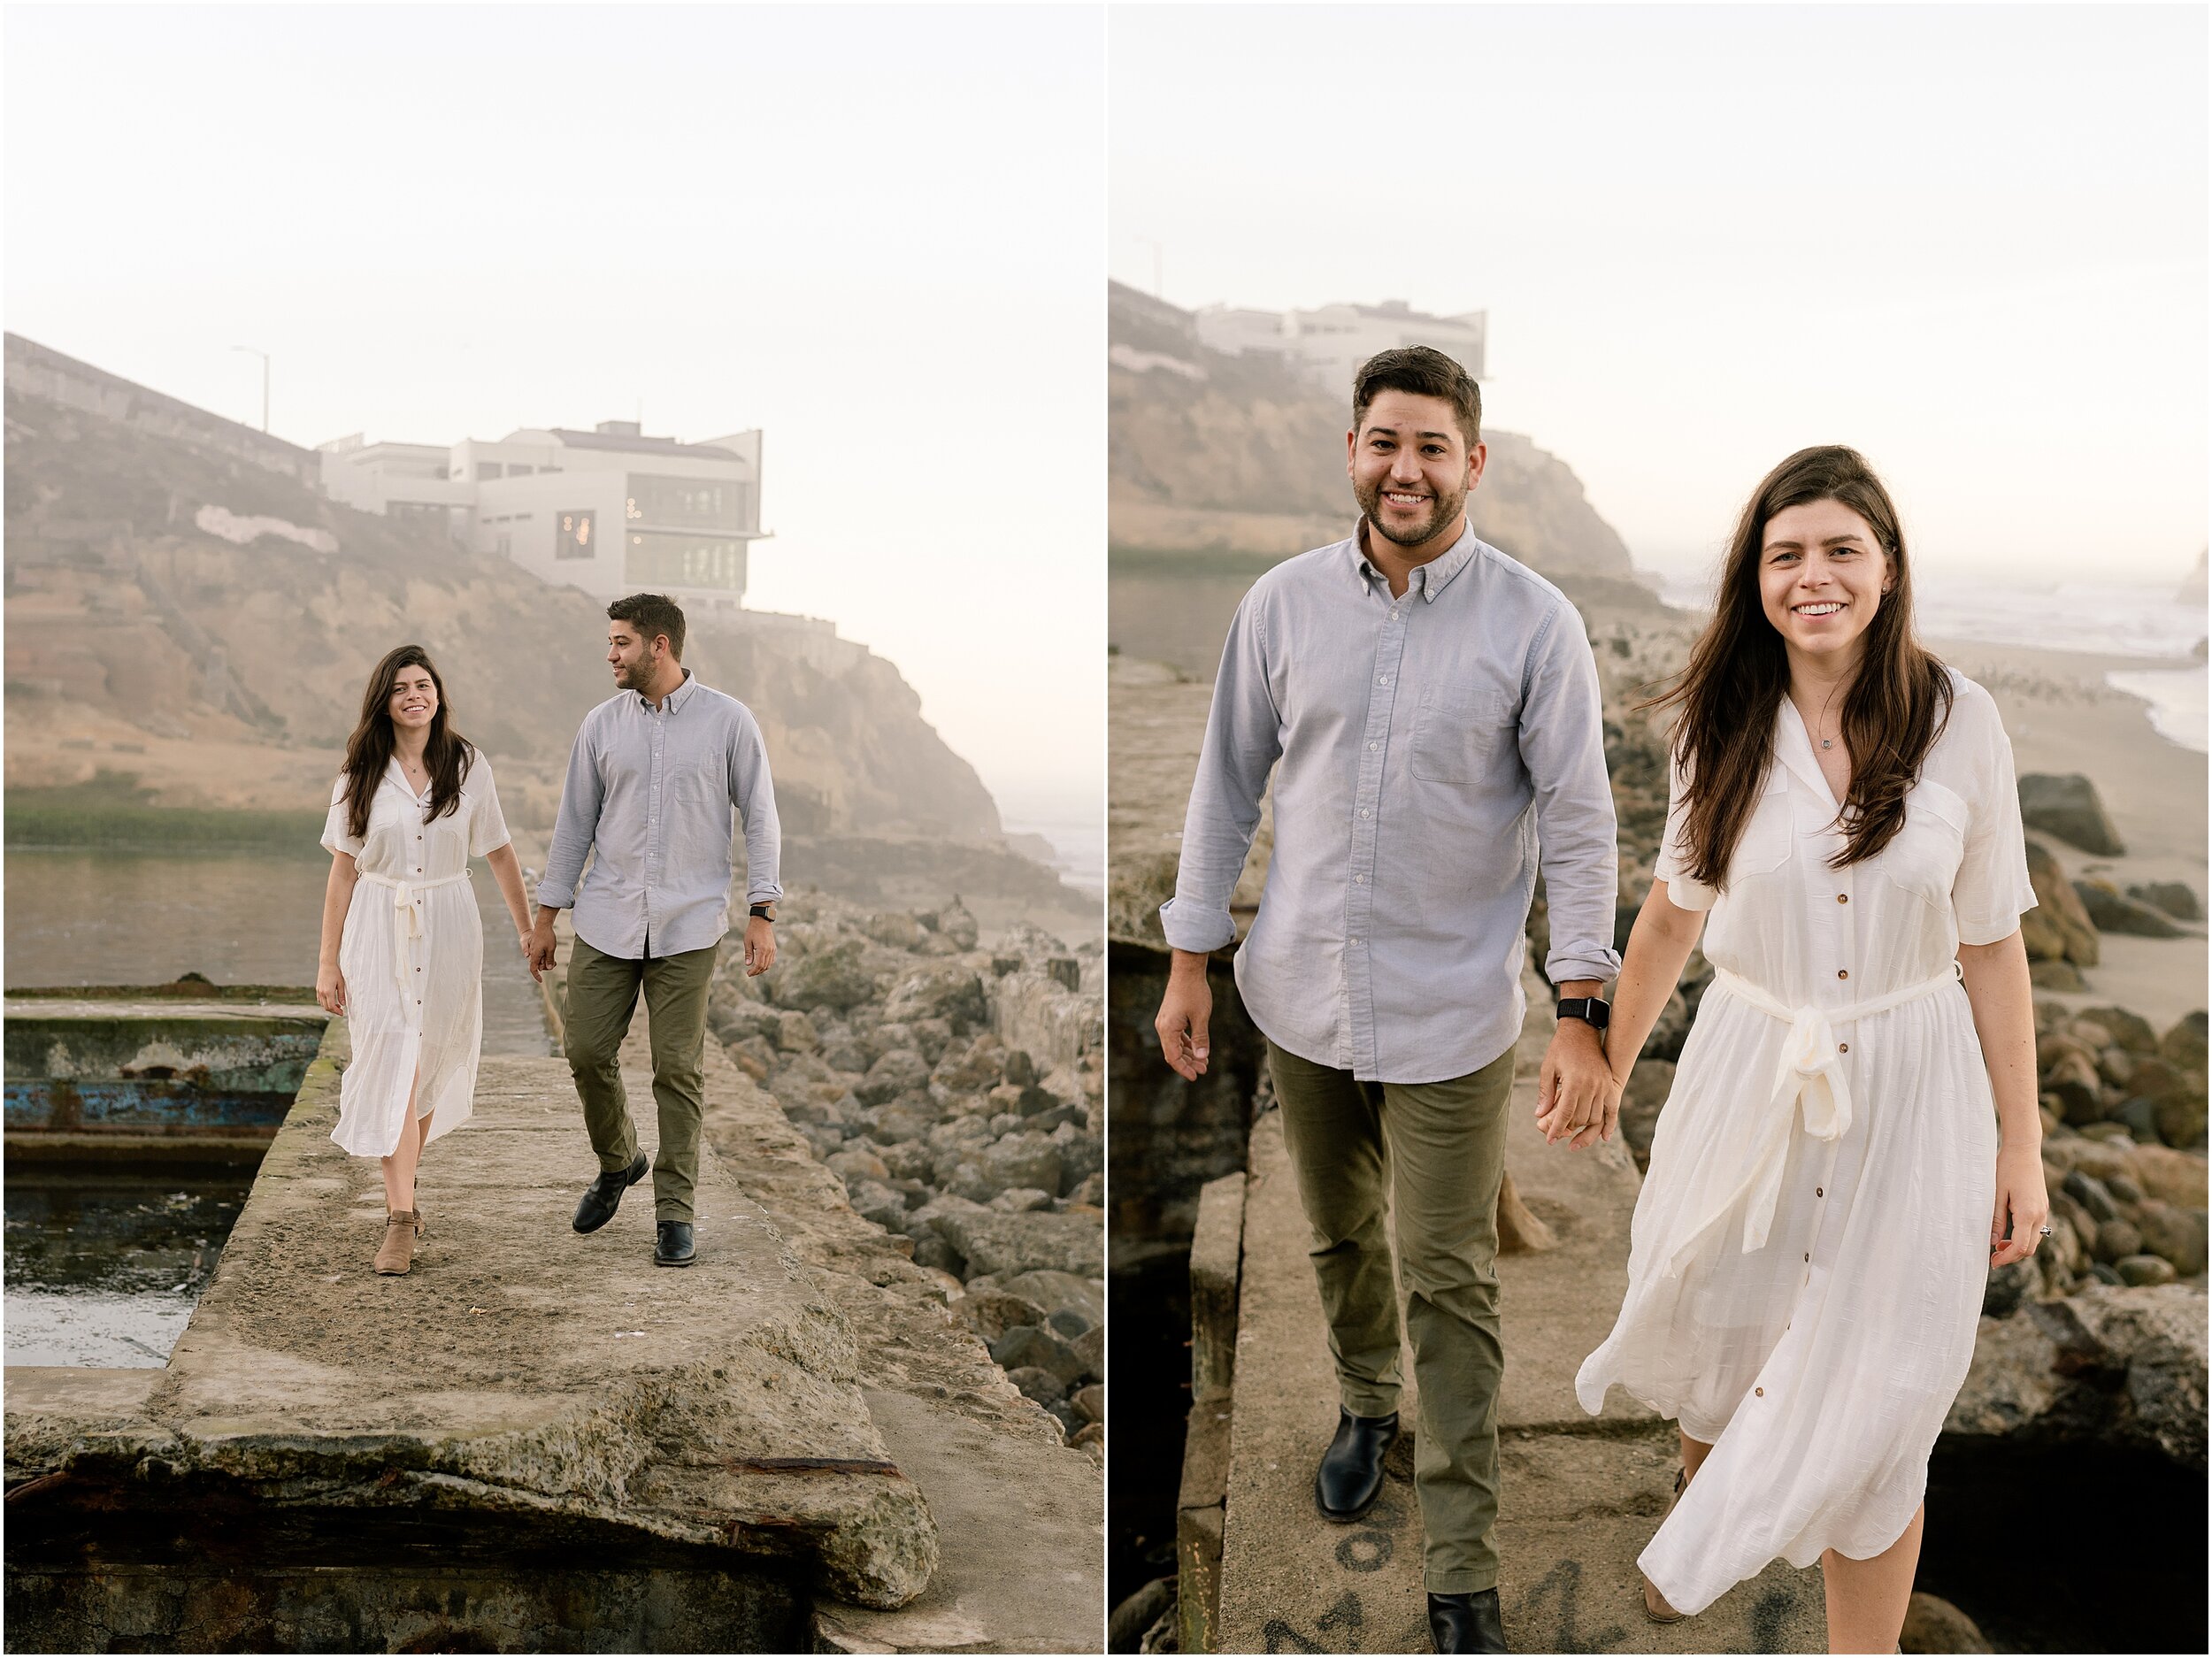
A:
407,920
1810,1075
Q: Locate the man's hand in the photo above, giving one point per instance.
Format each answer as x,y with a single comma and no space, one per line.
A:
1577,1098
537,944
760,945
1184,1011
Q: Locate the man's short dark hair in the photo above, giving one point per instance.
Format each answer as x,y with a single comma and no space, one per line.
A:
652,614
1423,372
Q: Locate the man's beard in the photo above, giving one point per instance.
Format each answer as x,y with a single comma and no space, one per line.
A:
1445,510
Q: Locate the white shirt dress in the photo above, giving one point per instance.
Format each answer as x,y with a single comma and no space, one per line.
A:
412,954
1811,1244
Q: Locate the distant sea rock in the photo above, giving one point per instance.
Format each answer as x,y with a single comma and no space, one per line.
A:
2069,807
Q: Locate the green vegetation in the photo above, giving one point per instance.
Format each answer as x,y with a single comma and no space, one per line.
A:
1202,561
111,813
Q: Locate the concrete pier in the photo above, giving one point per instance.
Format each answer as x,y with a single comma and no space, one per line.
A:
1580,1495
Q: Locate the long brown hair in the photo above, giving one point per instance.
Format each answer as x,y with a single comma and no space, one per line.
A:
448,754
1739,672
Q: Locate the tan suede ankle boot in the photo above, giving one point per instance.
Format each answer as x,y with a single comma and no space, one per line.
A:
397,1252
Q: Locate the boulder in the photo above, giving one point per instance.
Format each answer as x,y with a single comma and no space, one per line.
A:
971,1070
1038,1384
2061,927
2177,1234
794,1033
2144,1270
894,1074
1022,1199
1056,1292
2013,1381
1023,1159
957,926
2131,1031
2008,1285
2184,1045
1091,1348
992,1313
2046,974
2079,1090
1934,1625
2176,898
2110,911
836,977
895,928
2068,806
1003,1245
940,990
1034,1345
2116,1239
2173,1177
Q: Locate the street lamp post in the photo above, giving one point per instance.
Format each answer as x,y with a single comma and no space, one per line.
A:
264,355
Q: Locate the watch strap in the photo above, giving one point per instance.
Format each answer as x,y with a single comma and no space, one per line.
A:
1594,1010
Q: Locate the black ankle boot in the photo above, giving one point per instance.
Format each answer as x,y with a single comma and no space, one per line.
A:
1466,1622
1350,1476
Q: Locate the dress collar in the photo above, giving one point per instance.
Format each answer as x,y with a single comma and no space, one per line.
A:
1793,747
397,773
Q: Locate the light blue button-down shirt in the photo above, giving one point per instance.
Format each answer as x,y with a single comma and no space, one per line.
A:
649,791
1433,748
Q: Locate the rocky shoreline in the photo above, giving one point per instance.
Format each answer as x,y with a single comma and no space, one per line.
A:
957,1090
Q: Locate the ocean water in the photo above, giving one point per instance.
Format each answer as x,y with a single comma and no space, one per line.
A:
2094,619
1079,847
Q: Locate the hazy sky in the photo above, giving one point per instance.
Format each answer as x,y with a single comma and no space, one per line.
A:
876,233
1969,241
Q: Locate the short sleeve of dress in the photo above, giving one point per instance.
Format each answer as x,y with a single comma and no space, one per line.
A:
1992,890
1684,891
488,825
334,836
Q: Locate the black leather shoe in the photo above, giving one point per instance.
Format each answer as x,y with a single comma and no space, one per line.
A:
1466,1622
671,1244
604,1196
1350,1476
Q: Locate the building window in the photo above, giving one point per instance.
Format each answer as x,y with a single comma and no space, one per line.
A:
685,561
699,503
489,469
572,536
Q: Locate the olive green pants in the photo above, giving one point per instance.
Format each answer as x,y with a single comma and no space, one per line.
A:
602,992
1431,1154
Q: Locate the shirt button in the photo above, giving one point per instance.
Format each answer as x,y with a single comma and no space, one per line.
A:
1374,745
1366,811
1383,679
1843,972
1355,942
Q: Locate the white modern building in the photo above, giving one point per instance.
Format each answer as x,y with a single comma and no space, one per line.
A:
1329,343
609,510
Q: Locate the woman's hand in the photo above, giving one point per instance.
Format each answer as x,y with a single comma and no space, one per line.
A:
2022,1203
330,988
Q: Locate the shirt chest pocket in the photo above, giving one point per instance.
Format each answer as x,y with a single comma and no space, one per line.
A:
1458,733
697,781
1924,859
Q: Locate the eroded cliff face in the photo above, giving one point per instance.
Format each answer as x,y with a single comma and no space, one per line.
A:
1238,455
142,639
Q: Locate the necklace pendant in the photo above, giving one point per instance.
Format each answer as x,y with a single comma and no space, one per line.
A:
1827,743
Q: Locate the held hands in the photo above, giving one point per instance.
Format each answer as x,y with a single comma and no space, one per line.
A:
330,988
760,945
2022,1204
1184,1012
1577,1099
538,945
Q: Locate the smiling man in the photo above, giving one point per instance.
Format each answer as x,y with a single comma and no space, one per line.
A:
1434,708
655,774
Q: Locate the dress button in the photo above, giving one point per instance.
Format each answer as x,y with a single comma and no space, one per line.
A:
1843,1048
1843,898
1808,1259
1843,972
1820,1191
1761,1392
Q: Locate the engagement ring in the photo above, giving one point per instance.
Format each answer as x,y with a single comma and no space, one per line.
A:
2046,1230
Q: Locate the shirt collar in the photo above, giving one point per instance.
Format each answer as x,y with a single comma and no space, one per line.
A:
1428,579
673,701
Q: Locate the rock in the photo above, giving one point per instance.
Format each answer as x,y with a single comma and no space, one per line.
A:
2110,1132
1056,1292
2171,1177
2062,926
857,1164
836,977
1648,1086
2068,806
895,1074
2177,1234
1091,1434
895,928
1069,1325
2112,911
940,990
877,1202
1090,1402
794,1033
907,1159
1004,1245
2008,1286
1126,1623
753,1058
2140,1117
2013,1381
2144,1270
2181,1122
2116,1066
1024,1160
972,1070
2176,898
991,1313
1033,1344
2073,1082
2116,1239
1934,1625
2131,1031
1021,1199
931,1251
2184,1045
2054,975
1090,1347
957,925
1039,1384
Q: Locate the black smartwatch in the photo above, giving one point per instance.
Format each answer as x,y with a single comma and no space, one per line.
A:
766,912
1590,1009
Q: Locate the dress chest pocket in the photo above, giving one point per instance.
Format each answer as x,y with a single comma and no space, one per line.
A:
1924,859
1458,733
1768,834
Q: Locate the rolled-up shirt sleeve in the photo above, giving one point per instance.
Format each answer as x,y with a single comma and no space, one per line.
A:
753,792
1243,742
581,794
1563,745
